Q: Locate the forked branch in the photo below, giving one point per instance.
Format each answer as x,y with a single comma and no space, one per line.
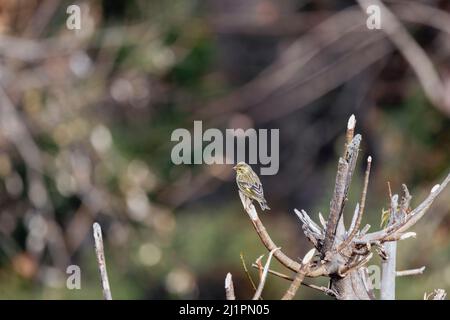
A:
270,245
262,281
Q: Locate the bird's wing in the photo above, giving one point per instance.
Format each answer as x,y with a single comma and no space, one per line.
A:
255,188
254,177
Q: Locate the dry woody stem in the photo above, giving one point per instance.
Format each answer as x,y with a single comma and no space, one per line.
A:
229,287
101,261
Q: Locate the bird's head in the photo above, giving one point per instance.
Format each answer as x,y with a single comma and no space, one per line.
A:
241,167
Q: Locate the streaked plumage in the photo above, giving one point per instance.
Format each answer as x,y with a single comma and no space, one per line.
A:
249,184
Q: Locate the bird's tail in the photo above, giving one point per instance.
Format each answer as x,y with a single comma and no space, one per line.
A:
263,205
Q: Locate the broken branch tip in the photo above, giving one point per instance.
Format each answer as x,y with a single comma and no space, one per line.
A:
351,122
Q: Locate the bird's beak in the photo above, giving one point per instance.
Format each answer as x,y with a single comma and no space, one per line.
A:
234,168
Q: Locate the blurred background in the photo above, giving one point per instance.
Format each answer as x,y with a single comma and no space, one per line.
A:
86,117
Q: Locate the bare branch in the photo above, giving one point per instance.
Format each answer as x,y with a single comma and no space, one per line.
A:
270,245
395,232
260,266
229,287
411,272
312,286
262,281
407,235
275,273
365,229
101,261
293,288
361,207
264,236
322,220
355,217
346,167
406,200
413,53
246,272
358,263
351,156
388,266
350,129
420,210
336,205
424,14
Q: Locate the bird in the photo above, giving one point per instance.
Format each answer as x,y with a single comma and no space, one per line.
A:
249,184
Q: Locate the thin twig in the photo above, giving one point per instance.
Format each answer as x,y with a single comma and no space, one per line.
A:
275,273
322,220
405,202
411,272
259,264
101,261
350,129
289,278
389,189
246,272
355,217
262,282
361,206
229,287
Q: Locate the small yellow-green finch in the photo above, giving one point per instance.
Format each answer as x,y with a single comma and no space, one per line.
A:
249,184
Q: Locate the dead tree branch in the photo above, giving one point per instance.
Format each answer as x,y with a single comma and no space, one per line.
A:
262,281
358,219
325,290
388,265
414,54
336,205
229,287
411,272
249,277
270,245
292,290
398,230
101,261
